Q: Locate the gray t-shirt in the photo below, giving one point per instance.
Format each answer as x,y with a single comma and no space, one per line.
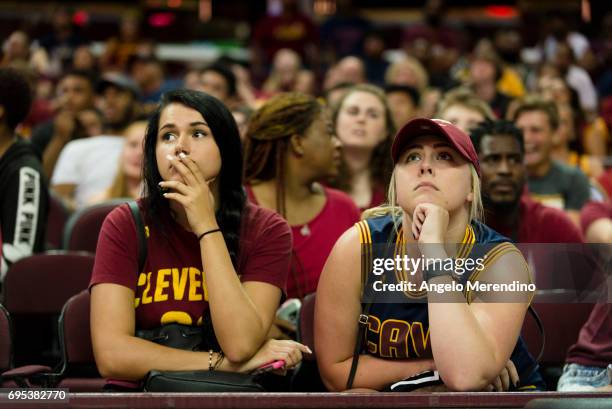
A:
563,187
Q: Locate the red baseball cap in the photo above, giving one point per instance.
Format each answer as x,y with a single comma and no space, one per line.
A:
424,126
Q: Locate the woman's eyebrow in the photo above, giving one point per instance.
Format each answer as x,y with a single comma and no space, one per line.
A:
192,124
169,125
436,145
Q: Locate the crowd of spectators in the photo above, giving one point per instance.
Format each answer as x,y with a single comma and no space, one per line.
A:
317,108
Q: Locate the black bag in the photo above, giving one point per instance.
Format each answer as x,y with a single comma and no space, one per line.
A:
176,336
188,338
200,381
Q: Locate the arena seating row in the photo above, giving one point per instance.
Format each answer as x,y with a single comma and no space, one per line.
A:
77,231
36,288
76,370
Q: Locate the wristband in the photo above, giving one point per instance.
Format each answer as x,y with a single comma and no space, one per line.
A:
207,232
432,272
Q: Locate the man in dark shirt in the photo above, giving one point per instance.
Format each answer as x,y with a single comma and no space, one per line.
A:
509,208
550,182
23,193
75,94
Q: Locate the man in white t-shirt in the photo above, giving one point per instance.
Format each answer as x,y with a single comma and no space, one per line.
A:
88,166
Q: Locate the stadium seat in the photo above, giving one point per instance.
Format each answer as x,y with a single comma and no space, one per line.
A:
56,220
6,353
307,377
35,290
12,377
562,323
306,324
83,227
78,371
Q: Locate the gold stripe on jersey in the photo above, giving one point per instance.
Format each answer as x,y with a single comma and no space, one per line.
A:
365,238
402,275
489,258
467,244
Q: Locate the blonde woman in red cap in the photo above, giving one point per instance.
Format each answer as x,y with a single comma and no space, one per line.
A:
433,304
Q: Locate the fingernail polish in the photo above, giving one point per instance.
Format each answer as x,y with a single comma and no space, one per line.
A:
182,155
169,157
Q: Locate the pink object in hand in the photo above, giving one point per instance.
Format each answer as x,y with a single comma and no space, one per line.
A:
271,366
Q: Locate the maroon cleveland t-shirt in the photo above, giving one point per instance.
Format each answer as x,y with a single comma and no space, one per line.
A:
173,287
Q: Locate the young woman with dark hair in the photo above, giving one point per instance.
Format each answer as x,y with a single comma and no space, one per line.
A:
213,260
289,149
364,124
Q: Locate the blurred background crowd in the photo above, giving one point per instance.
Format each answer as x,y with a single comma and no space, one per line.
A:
98,67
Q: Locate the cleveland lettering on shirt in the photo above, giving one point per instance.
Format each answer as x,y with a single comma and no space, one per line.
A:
172,286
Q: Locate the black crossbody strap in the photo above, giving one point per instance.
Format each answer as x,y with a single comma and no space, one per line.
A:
366,262
140,232
363,324
538,322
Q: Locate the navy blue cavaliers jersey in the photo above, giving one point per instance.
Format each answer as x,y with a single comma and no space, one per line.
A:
400,330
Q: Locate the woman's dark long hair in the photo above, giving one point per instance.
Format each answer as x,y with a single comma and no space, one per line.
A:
225,133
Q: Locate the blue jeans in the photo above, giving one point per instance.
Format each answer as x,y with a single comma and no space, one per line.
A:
580,378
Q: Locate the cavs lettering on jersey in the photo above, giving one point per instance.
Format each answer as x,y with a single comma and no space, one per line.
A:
401,330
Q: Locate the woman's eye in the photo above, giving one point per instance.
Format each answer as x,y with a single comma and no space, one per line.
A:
445,156
167,136
199,134
412,157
